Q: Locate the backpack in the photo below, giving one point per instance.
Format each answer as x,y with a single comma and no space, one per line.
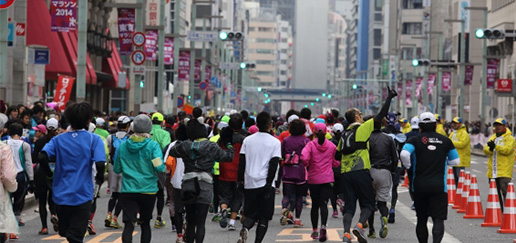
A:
349,144
115,144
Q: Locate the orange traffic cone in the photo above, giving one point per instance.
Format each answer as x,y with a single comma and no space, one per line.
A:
509,212
458,194
493,212
474,209
465,194
405,183
451,187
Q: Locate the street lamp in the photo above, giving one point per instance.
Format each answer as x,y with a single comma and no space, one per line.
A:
463,61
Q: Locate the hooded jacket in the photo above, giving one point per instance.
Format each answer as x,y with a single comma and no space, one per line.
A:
382,151
200,155
320,159
161,136
138,160
461,141
502,157
8,183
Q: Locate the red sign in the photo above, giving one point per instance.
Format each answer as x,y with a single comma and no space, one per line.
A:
20,29
468,74
64,15
203,85
6,3
184,66
63,91
126,24
504,86
138,57
492,72
446,81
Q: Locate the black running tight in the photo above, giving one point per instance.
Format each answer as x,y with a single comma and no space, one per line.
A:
114,203
422,230
195,222
320,194
263,225
127,235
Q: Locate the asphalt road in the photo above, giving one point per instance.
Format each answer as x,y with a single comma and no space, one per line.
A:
457,228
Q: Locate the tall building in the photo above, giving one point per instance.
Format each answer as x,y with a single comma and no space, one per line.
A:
284,52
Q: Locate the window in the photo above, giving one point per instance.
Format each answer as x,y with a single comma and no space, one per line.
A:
378,17
284,51
283,61
377,35
377,54
283,72
408,53
412,4
262,51
265,62
264,29
262,40
284,40
251,29
411,29
284,29
264,73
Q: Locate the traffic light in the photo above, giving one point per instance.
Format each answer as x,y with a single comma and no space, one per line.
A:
329,96
306,106
142,84
312,104
244,65
259,89
355,86
490,33
421,62
266,95
230,36
317,99
189,97
324,94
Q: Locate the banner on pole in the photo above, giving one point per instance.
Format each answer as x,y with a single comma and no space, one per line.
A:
446,81
63,91
408,91
64,15
184,66
152,12
430,82
492,72
468,74
168,51
126,22
197,70
151,45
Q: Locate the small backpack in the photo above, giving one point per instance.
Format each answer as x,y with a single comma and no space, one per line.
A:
349,144
115,144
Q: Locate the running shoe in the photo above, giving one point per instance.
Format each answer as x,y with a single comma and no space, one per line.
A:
91,229
365,225
371,235
384,230
243,235
391,216
224,219
346,238
335,214
13,236
55,222
284,217
359,232
180,238
315,234
298,223
159,224
114,224
322,236
43,231
107,221
216,217
231,227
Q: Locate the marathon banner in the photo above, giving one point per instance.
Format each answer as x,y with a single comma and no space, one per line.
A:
446,81
419,83
168,51
63,91
126,21
207,74
430,82
184,66
399,89
408,91
64,15
151,45
468,74
492,72
197,72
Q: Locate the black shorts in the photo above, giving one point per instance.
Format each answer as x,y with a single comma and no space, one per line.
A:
434,205
255,204
132,203
229,195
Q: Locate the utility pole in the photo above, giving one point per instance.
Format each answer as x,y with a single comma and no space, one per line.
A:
80,87
3,50
191,87
177,40
161,59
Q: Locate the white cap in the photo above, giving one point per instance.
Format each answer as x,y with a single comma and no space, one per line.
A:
292,117
123,120
414,123
426,117
338,127
100,122
52,123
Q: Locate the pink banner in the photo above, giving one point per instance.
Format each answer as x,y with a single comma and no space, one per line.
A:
184,66
446,81
168,51
419,83
197,72
64,15
151,45
492,72
207,74
430,82
399,89
370,98
408,90
126,18
468,74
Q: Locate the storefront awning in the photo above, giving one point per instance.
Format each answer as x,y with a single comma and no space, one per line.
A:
69,41
113,65
38,33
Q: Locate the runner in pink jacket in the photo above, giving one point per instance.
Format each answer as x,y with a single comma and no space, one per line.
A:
8,223
319,157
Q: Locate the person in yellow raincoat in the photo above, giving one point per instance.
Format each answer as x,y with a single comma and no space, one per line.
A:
405,125
500,149
439,128
461,141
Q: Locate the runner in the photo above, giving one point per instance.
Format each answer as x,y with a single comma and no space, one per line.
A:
259,159
73,199
319,157
138,160
294,178
8,184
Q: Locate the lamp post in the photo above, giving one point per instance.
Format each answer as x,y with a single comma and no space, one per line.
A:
484,65
462,64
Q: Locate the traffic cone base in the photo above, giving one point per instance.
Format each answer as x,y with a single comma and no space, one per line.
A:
474,208
465,193
493,215
405,181
509,212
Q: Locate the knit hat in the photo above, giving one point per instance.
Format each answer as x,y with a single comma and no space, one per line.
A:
142,124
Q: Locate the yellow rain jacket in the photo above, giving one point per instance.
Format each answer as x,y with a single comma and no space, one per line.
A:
439,129
461,141
502,157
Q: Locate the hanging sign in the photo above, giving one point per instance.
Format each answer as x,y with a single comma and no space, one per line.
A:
63,91
64,15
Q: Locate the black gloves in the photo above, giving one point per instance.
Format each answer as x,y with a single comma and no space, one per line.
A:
31,186
391,93
491,145
226,136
